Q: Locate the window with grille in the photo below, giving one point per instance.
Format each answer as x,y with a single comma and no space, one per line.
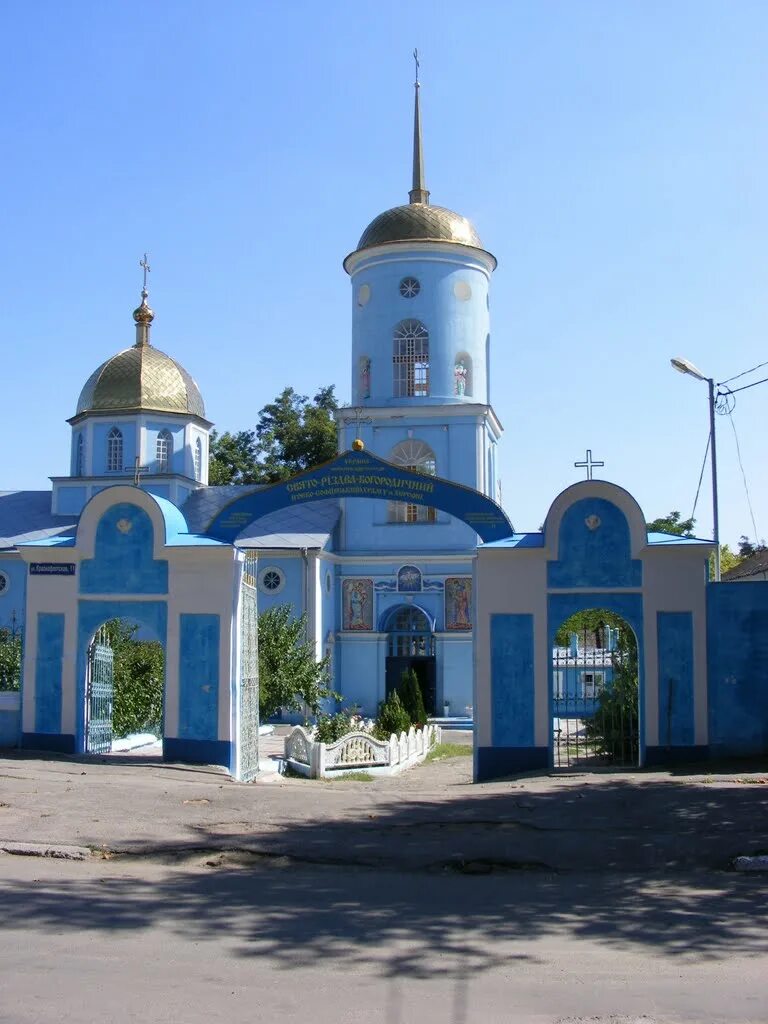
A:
115,451
163,451
410,360
417,457
198,459
410,634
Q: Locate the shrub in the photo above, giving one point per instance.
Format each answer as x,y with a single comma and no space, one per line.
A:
412,698
392,718
330,728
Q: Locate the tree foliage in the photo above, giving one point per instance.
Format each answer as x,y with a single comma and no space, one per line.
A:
293,433
411,697
10,658
590,623
672,523
139,674
392,718
613,729
290,677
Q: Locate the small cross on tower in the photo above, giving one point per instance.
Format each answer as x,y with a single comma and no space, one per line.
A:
144,264
588,464
138,469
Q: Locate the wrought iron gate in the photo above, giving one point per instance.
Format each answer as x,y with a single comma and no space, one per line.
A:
595,701
249,685
99,695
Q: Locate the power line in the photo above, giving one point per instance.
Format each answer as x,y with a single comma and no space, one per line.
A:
744,476
701,476
745,386
744,373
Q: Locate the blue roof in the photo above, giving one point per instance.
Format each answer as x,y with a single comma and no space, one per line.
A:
309,525
26,517
673,538
518,540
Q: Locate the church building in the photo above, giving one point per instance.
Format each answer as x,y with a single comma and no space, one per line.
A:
385,584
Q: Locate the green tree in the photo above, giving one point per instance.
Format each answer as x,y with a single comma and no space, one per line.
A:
289,675
392,718
673,523
613,729
10,658
139,674
591,623
292,434
747,548
411,697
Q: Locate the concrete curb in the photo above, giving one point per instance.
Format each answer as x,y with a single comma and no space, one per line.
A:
46,850
756,863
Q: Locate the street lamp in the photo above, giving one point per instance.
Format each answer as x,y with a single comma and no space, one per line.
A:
684,366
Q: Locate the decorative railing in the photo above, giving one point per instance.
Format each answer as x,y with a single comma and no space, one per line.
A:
358,751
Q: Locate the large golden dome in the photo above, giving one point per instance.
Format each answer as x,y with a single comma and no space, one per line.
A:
419,222
141,378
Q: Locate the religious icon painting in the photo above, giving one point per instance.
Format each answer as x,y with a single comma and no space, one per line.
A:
409,580
458,602
357,598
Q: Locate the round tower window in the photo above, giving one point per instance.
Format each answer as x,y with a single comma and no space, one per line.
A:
409,287
462,291
271,579
5,583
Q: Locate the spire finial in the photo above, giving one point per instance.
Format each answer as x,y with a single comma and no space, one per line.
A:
418,193
143,315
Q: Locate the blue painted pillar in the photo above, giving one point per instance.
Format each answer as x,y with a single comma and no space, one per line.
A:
49,658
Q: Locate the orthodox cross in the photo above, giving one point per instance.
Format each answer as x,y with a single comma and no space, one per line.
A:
146,268
416,59
358,418
137,471
588,464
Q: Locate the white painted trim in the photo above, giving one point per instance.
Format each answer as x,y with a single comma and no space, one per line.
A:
469,257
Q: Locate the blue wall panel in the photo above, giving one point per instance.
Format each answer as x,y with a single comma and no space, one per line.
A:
70,500
123,561
199,677
48,663
676,713
512,682
737,661
594,548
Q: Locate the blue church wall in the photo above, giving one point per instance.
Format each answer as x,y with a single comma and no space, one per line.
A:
594,548
455,324
361,665
177,463
70,500
50,653
159,490
13,597
292,591
676,689
572,703
100,431
123,560
737,656
455,669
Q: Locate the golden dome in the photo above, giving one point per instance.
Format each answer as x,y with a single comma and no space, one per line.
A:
422,223
143,314
141,378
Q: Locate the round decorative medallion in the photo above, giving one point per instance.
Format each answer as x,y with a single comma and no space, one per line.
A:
5,583
124,525
409,287
462,291
271,580
363,294
592,522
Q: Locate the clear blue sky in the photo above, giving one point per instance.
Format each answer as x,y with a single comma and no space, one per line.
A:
612,155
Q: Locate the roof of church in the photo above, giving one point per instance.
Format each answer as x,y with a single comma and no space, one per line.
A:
25,516
141,378
419,222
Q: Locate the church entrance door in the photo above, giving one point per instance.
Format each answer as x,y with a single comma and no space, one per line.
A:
411,645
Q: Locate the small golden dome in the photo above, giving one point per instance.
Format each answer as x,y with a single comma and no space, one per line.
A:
422,223
141,378
143,314
357,445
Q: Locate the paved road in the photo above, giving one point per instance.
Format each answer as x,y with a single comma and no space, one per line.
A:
212,940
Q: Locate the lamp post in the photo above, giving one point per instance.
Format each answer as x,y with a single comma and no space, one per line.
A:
684,366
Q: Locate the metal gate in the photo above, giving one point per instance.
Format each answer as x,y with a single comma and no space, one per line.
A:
99,695
249,684
595,700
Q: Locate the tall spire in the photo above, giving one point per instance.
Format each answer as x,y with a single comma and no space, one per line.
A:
418,193
143,315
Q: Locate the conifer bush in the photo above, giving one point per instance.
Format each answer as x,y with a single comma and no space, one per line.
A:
392,718
412,698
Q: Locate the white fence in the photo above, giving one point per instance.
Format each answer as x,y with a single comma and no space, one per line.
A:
358,751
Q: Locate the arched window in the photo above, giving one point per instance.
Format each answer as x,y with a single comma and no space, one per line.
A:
198,459
163,451
410,634
80,456
115,451
419,458
410,360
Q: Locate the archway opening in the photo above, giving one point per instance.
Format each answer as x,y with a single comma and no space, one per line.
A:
595,692
124,690
411,645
